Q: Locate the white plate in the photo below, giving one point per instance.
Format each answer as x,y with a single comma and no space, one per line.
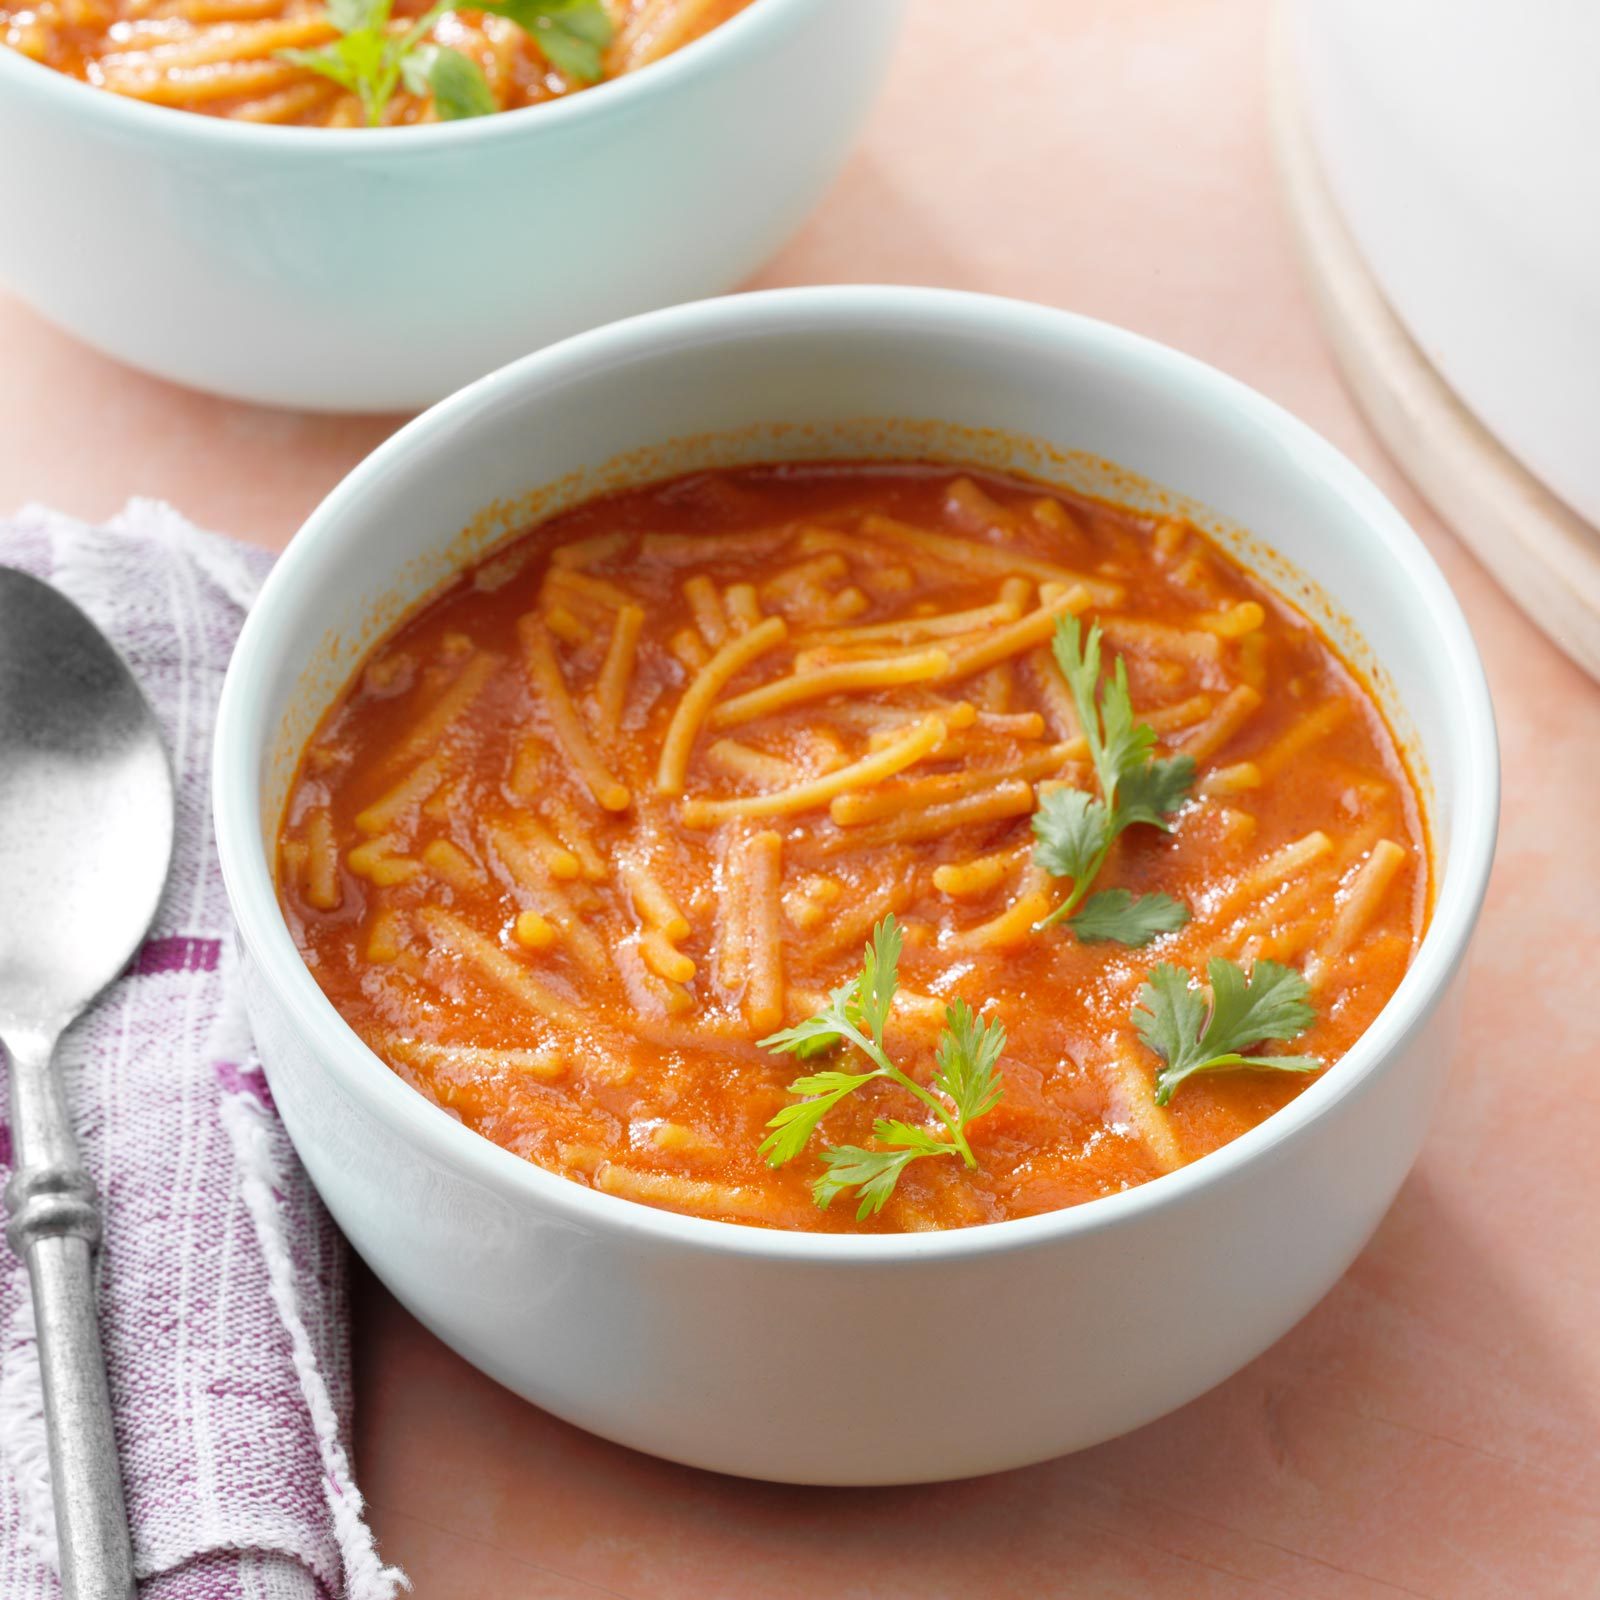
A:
1544,554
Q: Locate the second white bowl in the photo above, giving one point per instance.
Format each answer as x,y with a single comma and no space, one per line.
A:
378,269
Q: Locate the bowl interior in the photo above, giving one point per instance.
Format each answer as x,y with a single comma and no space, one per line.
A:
863,373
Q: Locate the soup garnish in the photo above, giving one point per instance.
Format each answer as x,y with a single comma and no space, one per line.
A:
1075,830
371,59
965,1060
1268,1002
589,850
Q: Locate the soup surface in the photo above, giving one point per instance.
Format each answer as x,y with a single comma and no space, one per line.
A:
633,793
223,57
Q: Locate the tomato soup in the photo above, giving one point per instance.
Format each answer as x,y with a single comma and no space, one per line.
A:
632,794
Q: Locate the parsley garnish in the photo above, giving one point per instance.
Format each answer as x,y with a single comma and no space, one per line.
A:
1271,1003
455,81
1075,830
371,61
572,34
967,1076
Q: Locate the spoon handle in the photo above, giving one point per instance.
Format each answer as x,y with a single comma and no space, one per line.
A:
91,1523
55,1227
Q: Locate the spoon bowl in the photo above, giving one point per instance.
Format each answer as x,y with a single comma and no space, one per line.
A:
86,807
86,829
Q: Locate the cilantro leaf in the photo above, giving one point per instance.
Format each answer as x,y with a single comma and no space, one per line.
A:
416,67
822,1031
1272,1002
460,89
863,1002
1169,1016
967,1074
968,1057
907,1135
1114,742
1079,660
571,34
1133,920
1151,792
1125,744
455,81
880,976
1074,831
819,1044
793,1126
874,1173
351,62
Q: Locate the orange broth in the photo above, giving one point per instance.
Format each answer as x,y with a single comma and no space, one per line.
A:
494,878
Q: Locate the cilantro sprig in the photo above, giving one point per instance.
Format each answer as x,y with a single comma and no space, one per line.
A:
1190,1036
967,1077
371,58
1074,830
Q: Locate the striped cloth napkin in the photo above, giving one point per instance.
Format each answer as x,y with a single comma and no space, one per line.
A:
222,1279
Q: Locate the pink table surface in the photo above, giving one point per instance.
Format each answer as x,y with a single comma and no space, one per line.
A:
1432,1427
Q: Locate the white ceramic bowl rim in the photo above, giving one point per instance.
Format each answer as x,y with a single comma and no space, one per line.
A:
747,30
1469,738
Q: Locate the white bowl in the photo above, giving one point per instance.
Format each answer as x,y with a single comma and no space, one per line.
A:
826,1358
1462,141
378,269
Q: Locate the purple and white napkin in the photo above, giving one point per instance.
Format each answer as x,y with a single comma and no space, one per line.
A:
222,1279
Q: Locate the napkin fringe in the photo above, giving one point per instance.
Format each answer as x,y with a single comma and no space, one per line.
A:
218,557
244,1118
24,1441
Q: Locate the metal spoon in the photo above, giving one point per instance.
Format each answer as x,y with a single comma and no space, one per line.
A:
86,825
